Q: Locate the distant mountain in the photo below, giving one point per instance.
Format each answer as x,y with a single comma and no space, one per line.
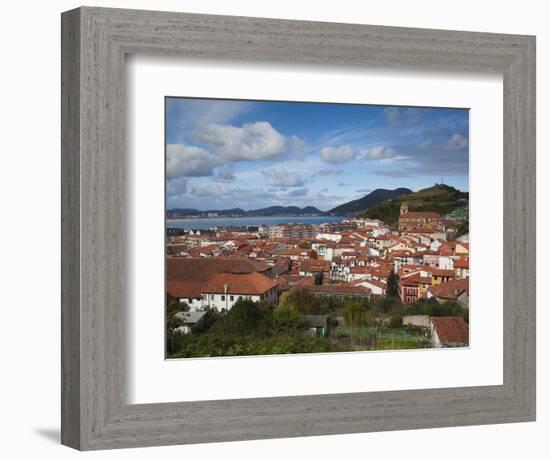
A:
183,212
278,210
275,210
440,198
373,198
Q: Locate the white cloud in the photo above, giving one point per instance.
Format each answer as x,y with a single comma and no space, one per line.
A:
457,141
176,186
379,152
402,117
328,171
299,192
225,174
297,146
198,112
251,142
337,155
207,189
282,178
189,161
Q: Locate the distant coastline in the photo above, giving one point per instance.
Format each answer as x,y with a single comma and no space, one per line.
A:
223,216
248,221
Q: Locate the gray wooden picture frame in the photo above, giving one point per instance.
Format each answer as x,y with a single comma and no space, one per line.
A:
95,41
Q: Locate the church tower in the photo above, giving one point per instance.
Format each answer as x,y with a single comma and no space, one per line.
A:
404,208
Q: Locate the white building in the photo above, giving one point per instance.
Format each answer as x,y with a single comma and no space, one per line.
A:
224,290
332,236
376,286
189,320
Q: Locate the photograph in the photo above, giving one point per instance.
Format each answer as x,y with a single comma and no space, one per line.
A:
301,227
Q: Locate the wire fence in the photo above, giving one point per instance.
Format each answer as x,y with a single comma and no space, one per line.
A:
373,338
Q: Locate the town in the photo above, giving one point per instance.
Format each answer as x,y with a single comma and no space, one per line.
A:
356,284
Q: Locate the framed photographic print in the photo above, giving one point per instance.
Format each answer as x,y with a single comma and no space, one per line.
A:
288,252
287,228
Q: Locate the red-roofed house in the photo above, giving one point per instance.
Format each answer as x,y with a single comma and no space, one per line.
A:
462,267
377,287
449,331
312,267
339,290
224,289
413,220
186,278
413,287
453,290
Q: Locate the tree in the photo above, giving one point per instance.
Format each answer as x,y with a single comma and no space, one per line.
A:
287,319
209,320
319,278
302,300
396,321
173,305
392,289
246,318
173,337
355,316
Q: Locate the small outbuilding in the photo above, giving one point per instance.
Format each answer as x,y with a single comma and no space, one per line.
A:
189,321
316,325
449,331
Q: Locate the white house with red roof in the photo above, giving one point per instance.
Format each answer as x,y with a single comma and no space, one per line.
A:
462,267
225,289
377,287
449,331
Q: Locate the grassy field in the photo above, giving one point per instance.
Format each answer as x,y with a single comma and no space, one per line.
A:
369,338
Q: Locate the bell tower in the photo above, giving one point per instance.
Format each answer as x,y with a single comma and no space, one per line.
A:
404,208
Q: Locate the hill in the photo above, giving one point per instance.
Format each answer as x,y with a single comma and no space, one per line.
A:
278,210
440,198
268,211
373,198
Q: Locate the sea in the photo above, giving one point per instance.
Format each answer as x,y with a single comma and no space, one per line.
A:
211,223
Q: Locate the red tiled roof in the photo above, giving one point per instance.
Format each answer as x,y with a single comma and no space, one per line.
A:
451,329
339,288
372,281
451,289
462,263
314,265
201,269
295,252
420,230
415,280
441,272
251,283
401,253
421,215
187,277
184,289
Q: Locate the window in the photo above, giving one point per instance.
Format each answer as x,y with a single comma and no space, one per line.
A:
231,298
212,297
223,298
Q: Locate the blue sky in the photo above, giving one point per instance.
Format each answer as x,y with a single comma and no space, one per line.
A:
250,154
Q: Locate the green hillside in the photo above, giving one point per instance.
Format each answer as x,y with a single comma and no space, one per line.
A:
373,198
440,198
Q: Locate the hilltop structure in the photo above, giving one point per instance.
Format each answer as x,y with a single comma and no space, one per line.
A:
410,221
